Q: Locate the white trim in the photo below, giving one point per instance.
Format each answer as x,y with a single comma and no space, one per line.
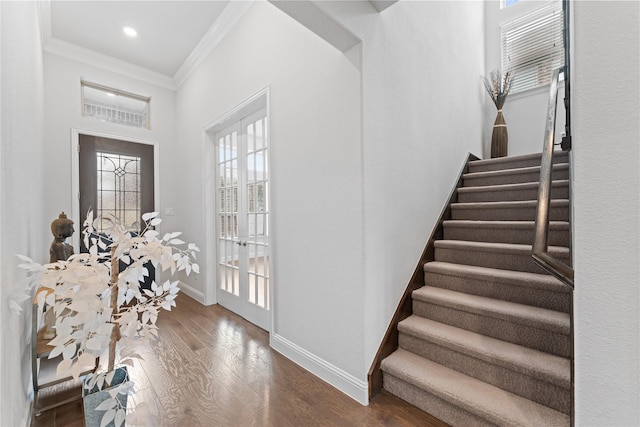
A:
192,292
75,174
77,53
343,381
220,28
223,25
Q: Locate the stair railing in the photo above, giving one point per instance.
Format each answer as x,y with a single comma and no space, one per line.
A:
540,254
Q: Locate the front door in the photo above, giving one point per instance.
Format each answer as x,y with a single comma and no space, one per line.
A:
243,218
116,178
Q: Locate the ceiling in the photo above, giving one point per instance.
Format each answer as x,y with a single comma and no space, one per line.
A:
168,31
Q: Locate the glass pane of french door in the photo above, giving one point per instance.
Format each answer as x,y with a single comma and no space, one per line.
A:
243,218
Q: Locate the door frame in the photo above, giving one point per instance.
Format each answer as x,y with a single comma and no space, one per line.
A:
75,175
261,99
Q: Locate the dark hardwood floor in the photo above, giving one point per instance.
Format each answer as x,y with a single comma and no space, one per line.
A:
210,367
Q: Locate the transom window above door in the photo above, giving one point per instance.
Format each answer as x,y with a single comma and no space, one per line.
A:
115,106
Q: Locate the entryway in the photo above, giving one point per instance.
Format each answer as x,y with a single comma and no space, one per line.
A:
113,176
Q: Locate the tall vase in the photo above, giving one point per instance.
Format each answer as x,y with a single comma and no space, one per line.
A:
499,137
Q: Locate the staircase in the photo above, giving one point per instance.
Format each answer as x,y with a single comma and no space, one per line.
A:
489,340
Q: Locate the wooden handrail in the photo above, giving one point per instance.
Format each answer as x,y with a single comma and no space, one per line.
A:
540,254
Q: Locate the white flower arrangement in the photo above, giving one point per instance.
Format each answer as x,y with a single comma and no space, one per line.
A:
98,300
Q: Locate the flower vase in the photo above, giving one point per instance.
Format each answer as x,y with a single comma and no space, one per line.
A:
499,137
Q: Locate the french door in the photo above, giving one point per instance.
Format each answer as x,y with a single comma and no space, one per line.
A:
243,218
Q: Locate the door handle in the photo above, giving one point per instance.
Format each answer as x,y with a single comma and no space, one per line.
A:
241,243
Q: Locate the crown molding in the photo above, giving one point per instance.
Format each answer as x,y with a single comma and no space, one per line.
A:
220,28
90,57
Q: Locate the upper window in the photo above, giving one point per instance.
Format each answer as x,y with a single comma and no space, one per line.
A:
115,106
532,46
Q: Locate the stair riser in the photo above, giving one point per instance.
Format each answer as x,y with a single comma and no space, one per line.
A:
518,383
502,260
506,292
539,339
514,163
556,213
524,236
557,192
514,178
439,408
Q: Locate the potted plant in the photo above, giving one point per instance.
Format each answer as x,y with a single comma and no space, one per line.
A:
101,308
498,86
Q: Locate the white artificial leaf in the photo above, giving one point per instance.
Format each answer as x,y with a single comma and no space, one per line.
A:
25,258
106,404
86,360
155,221
109,377
176,242
108,417
69,351
63,367
151,233
57,351
149,215
195,268
119,419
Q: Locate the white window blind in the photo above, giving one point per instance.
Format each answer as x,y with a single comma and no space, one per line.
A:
532,46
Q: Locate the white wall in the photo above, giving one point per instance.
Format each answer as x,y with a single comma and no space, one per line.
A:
23,224
606,159
525,112
422,114
316,175
63,113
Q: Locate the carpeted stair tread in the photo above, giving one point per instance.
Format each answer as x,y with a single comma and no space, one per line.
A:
512,176
508,256
540,365
496,406
511,192
504,231
514,162
522,210
540,290
515,278
502,247
536,317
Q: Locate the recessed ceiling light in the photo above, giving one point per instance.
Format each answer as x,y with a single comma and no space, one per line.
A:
130,31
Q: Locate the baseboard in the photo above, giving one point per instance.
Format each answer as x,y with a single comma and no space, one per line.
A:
343,381
193,293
